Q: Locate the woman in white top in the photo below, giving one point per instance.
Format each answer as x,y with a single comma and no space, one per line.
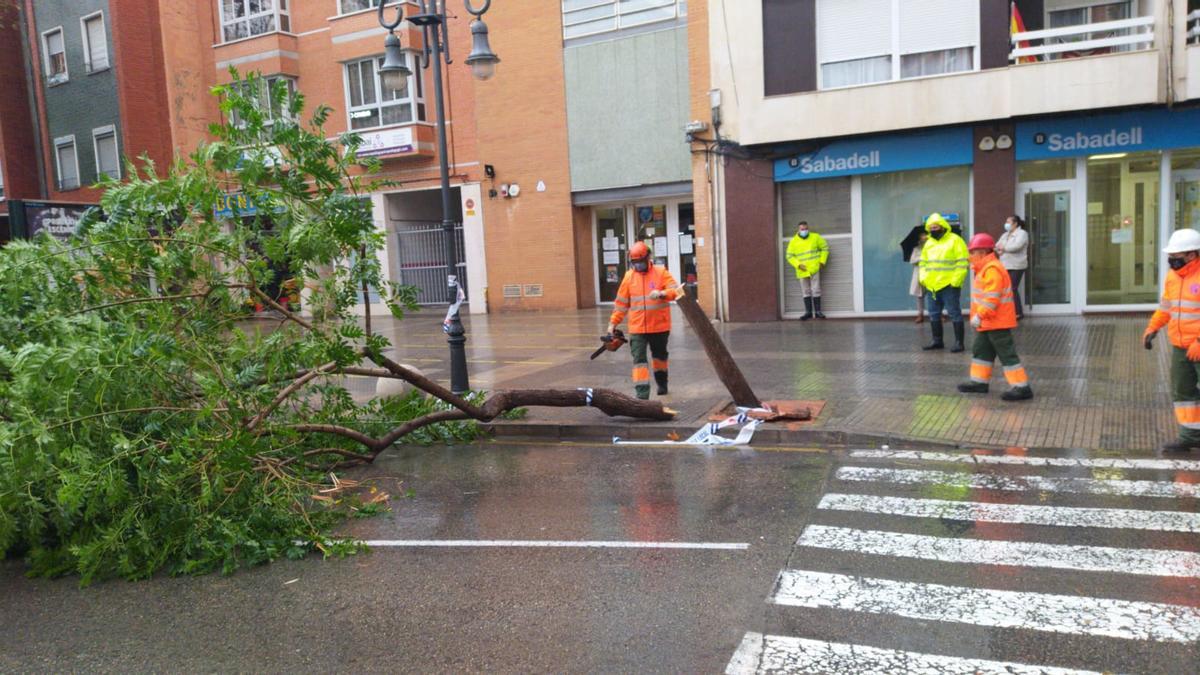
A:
1013,249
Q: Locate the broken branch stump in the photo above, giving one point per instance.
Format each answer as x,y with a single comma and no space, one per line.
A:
722,361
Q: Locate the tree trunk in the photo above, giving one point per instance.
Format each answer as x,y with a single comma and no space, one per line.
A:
722,361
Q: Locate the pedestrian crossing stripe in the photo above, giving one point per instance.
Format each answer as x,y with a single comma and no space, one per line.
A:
1059,516
1122,488
760,653
1150,562
1077,615
1080,462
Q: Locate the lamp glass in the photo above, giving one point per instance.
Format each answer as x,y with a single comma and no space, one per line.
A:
394,79
483,69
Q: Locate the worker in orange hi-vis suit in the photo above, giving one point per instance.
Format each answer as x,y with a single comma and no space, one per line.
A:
646,293
993,315
1179,312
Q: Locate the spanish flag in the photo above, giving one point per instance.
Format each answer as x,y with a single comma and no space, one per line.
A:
1017,25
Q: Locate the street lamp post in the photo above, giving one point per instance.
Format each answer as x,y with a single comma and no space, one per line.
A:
394,73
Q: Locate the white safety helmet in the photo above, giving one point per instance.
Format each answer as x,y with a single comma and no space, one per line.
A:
1183,241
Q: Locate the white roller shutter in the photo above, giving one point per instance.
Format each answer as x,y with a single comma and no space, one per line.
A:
837,280
853,29
825,204
931,25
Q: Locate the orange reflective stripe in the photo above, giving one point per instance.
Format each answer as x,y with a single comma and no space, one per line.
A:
1016,375
1187,413
981,371
641,374
659,364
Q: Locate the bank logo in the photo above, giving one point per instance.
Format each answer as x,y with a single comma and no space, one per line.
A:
1113,138
854,162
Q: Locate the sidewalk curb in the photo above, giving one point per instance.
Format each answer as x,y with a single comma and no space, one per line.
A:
765,436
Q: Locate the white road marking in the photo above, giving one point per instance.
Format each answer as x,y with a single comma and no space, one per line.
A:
1088,462
992,608
1124,488
535,543
1062,516
760,653
1017,553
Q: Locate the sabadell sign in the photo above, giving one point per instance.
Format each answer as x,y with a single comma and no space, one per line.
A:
1158,129
880,154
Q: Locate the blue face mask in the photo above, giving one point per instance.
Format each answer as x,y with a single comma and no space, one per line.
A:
641,265
803,234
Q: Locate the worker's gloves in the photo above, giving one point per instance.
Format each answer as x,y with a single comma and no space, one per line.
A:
802,267
976,321
612,328
656,295
1148,339
1193,352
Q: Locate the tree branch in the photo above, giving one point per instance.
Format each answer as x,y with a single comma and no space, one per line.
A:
287,391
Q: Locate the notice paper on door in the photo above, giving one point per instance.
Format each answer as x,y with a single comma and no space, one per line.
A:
685,244
1122,235
611,257
610,243
660,246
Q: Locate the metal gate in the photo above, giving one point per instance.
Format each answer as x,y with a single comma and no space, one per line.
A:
421,255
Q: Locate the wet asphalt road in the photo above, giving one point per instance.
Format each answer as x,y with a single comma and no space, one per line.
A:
518,609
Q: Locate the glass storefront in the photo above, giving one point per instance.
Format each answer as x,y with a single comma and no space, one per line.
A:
892,204
1185,176
667,227
1123,228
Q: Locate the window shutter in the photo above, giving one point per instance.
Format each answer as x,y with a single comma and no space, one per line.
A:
853,29
97,43
54,42
930,25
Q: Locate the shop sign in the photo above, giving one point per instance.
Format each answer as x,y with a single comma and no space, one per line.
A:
1132,131
234,204
880,154
387,142
60,221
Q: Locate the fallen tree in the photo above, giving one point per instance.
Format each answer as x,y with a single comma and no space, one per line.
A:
164,403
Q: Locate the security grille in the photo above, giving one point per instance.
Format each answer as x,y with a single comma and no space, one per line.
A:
421,254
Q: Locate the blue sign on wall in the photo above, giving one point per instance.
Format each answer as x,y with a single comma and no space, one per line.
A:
880,154
1157,129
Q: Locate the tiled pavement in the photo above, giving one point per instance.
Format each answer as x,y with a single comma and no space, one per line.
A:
1096,387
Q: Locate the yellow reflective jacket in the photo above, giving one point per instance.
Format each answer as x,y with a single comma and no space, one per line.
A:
944,262
811,251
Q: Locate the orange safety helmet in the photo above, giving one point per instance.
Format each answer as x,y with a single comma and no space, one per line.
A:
639,251
981,241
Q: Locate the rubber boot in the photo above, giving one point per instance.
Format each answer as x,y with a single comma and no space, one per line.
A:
660,378
808,309
936,326
960,332
1178,447
973,387
1017,394
817,307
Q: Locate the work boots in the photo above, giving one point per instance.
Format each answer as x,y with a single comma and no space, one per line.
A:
960,332
936,326
1178,447
808,309
973,387
817,307
1017,394
660,378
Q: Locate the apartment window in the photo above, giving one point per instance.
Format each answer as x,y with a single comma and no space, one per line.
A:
349,6
108,160
1082,16
95,43
67,163
56,56
867,41
588,17
248,18
371,105
272,106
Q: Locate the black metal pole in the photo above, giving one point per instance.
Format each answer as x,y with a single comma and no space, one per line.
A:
455,335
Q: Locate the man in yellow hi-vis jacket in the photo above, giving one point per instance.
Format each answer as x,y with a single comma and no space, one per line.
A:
808,252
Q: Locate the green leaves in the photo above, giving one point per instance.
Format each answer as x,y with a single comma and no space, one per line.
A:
132,359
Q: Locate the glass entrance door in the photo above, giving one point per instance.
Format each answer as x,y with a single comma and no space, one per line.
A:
1048,216
1187,199
668,228
610,251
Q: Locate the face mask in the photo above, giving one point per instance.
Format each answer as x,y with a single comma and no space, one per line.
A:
803,234
640,265
937,234
1008,227
1176,263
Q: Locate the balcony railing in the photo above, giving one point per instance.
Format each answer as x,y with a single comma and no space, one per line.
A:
1193,22
1088,39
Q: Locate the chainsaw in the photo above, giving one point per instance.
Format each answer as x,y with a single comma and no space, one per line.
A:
612,343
